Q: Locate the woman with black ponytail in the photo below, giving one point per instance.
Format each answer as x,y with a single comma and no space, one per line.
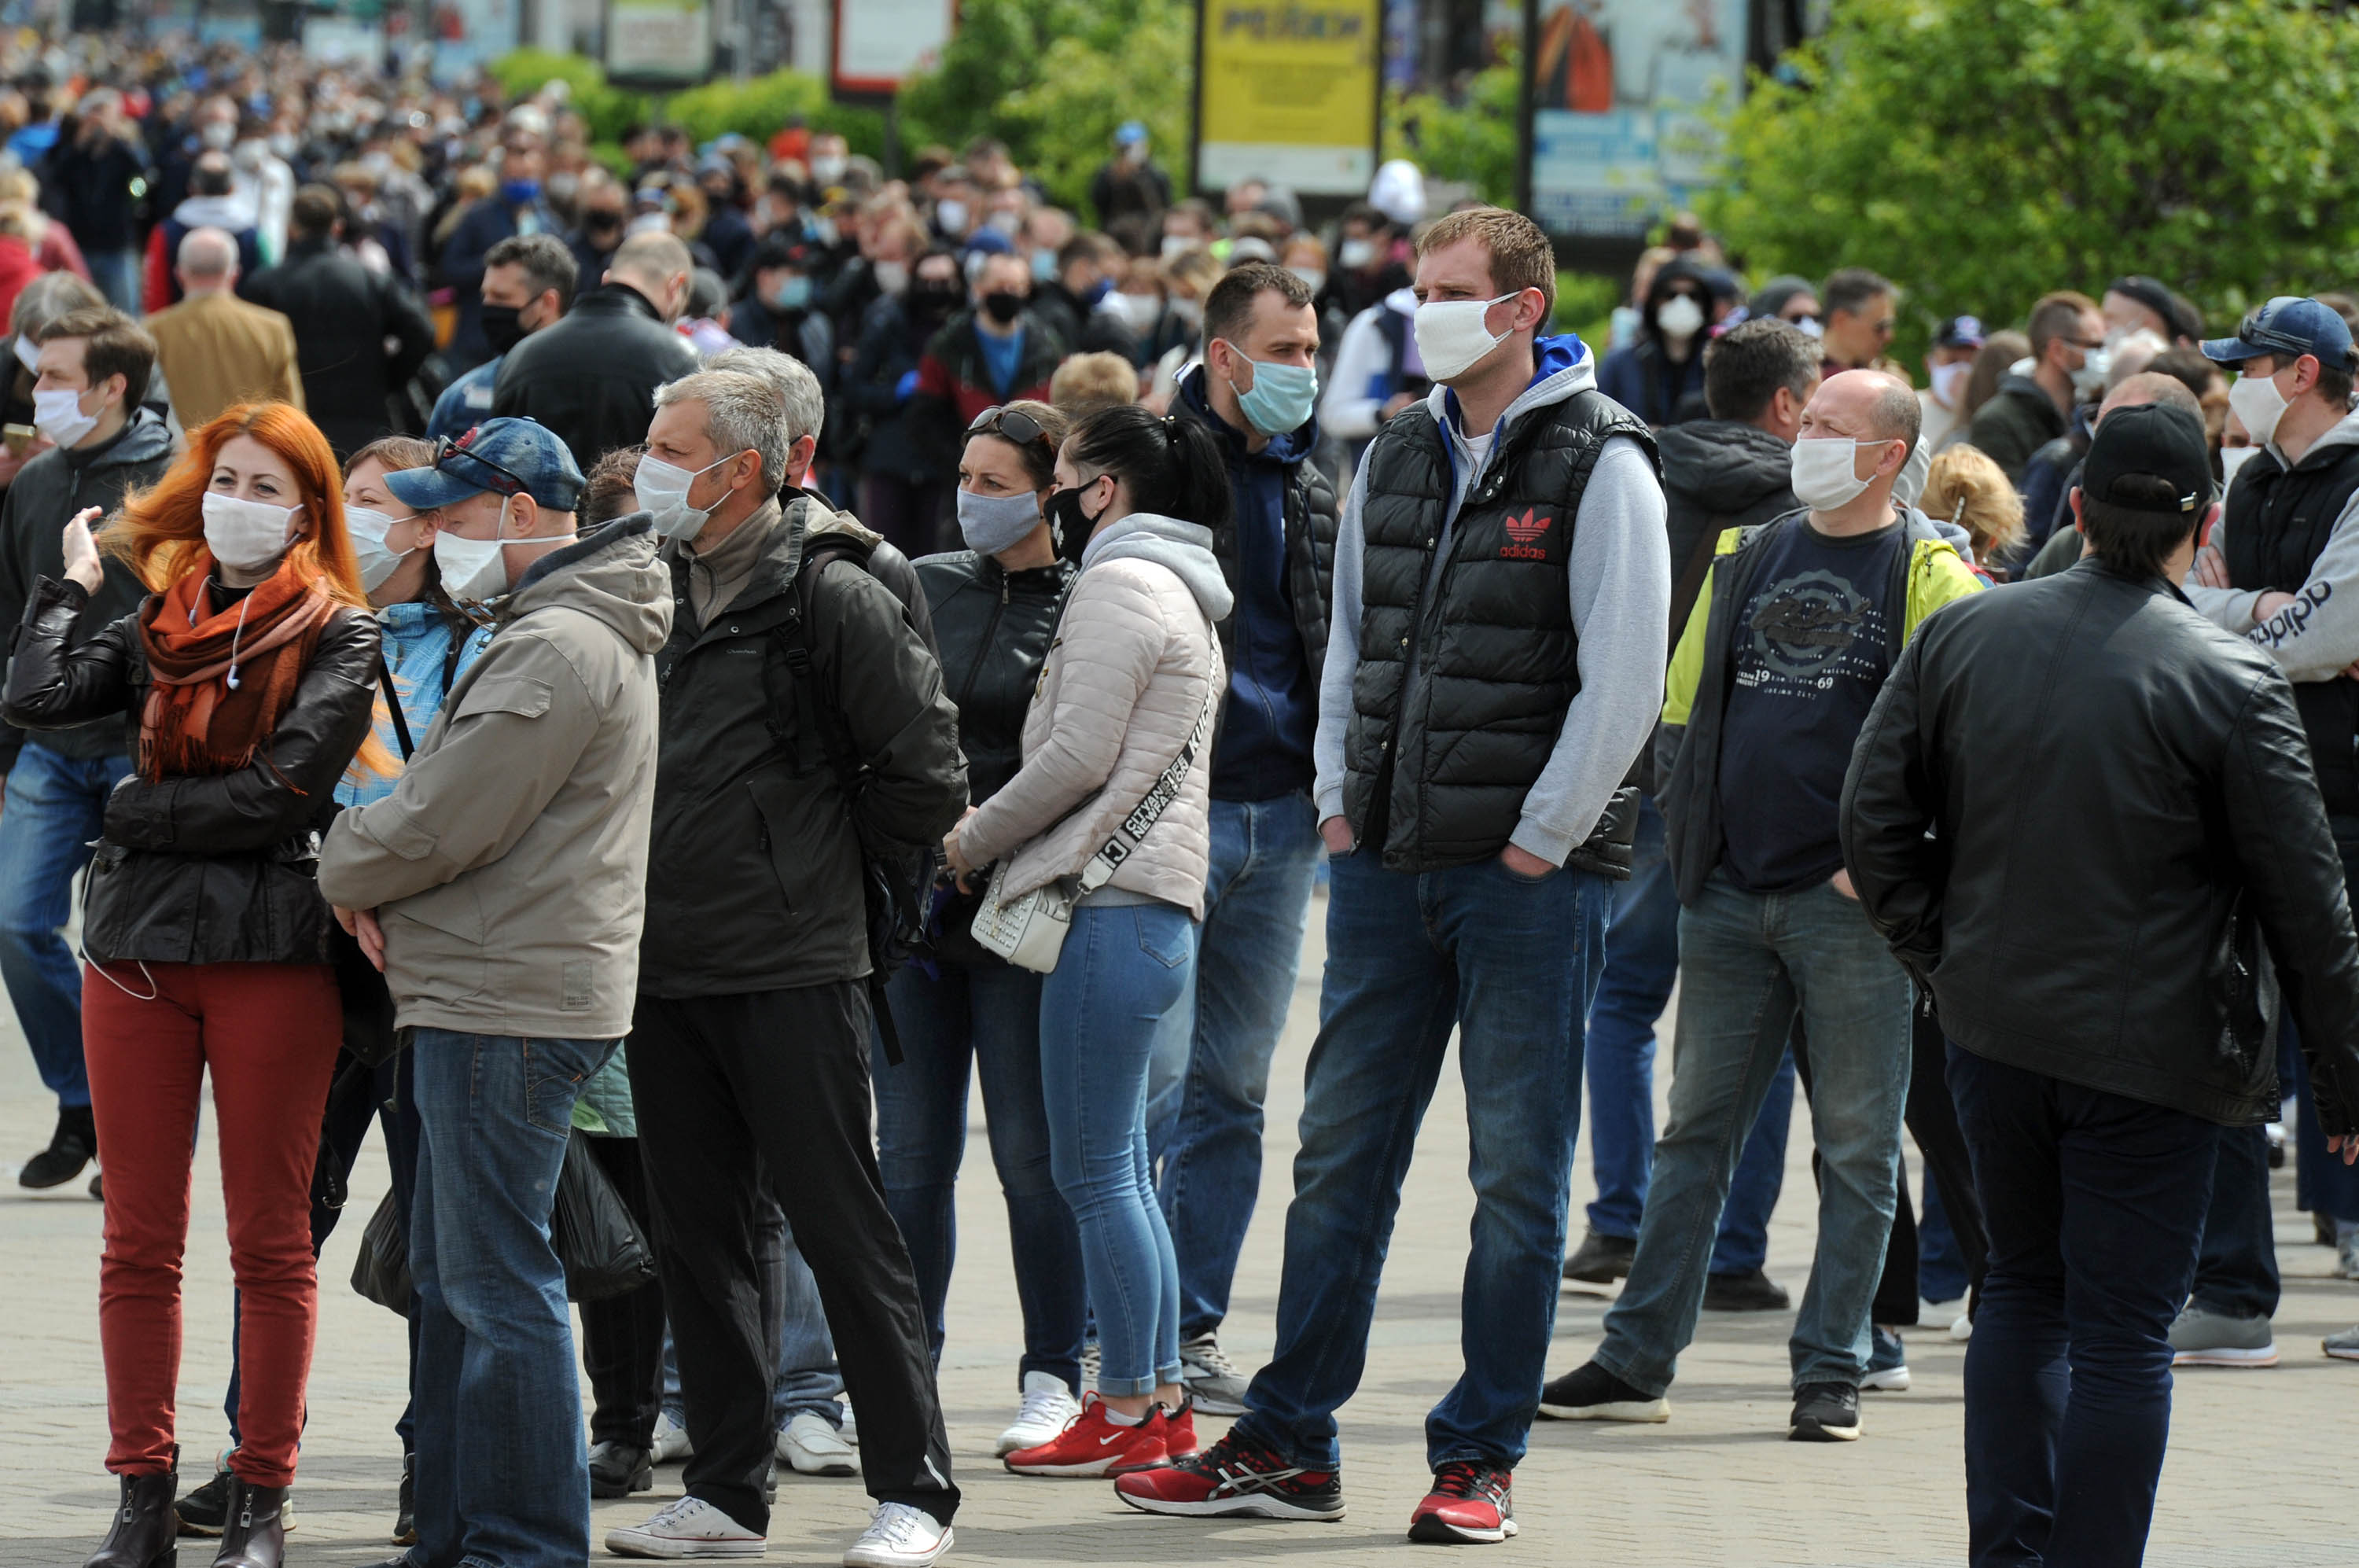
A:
1128,697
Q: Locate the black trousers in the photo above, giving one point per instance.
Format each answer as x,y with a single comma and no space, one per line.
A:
622,1336
725,1087
1931,1116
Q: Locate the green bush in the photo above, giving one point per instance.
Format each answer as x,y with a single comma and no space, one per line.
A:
1473,139
610,111
1585,304
758,108
1981,152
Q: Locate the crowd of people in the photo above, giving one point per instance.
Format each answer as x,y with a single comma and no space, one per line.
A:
647,687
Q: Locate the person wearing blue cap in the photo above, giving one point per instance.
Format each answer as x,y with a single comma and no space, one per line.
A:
2282,569
501,886
1128,184
2100,975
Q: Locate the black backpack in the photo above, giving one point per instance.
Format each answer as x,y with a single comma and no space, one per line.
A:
898,881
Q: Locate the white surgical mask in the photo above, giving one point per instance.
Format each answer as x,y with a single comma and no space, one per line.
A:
1949,380
245,535
950,215
57,414
1680,318
2090,380
892,276
2254,400
1176,244
1451,337
662,489
474,571
1356,254
368,528
1141,311
1313,277
1824,473
2232,458
828,171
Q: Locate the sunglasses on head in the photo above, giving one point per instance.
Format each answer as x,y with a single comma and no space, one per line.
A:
502,481
1013,424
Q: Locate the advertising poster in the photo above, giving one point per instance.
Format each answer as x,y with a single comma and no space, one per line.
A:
1620,90
1287,93
658,43
880,42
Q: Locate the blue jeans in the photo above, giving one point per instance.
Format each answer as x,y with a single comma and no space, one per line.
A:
988,1014
1748,962
501,1481
1512,965
1256,907
1122,969
2237,1268
1642,960
55,806
116,273
2094,1202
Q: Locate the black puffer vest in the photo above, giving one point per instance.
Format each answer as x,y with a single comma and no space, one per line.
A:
1437,766
2277,524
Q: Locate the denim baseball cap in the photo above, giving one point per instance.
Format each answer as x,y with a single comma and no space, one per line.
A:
2287,324
506,457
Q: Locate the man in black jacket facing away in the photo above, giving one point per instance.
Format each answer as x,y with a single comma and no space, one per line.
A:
2101,977
58,785
344,315
591,377
751,1037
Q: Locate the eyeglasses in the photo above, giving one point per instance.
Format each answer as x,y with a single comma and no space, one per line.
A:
1013,424
503,481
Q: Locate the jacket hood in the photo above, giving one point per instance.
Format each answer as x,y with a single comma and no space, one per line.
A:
1724,465
1185,547
1562,365
2343,434
1291,447
617,299
232,212
2013,385
612,574
144,439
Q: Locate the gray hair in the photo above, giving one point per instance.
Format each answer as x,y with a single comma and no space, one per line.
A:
742,413
46,298
207,253
797,387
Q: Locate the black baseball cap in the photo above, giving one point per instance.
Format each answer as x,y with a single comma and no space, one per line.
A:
2149,440
2288,326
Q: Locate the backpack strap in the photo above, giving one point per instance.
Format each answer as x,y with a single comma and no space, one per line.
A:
393,708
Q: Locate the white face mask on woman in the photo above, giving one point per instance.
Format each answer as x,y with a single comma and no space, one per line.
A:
368,528
245,535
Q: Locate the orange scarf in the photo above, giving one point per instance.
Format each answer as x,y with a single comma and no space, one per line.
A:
223,681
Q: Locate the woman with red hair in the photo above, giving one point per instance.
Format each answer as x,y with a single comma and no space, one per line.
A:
250,673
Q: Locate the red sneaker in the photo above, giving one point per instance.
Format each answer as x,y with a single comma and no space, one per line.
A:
1235,1477
1092,1444
1180,1432
1470,1503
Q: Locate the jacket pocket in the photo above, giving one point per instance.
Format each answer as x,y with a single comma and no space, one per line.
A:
519,694
772,795
443,958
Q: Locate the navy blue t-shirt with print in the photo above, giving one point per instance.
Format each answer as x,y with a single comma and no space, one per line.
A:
1811,649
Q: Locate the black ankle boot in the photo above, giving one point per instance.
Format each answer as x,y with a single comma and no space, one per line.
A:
145,1527
255,1535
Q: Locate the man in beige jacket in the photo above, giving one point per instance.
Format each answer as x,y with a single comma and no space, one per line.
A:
215,350
502,886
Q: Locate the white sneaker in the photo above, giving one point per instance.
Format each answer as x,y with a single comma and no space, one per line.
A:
850,1430
815,1448
671,1441
1962,1329
689,1527
1049,1406
899,1536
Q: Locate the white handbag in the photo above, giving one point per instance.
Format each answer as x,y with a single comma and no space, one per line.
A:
1028,930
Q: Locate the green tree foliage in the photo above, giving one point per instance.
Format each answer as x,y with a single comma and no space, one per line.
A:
756,109
1054,78
610,111
1981,152
1471,138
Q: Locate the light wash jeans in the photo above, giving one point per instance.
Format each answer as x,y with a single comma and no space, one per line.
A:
1747,962
55,806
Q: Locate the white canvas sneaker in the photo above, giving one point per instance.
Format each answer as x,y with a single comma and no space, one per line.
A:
899,1536
1049,1406
689,1527
670,1442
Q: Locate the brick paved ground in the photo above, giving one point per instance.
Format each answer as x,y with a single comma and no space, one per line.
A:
2257,1473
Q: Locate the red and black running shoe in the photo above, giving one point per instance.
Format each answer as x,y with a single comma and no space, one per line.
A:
1472,1503
1236,1478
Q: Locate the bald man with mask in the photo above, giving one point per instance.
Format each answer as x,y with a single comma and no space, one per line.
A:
215,349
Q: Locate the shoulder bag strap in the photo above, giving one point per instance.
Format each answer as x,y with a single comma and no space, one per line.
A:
393,707
1159,796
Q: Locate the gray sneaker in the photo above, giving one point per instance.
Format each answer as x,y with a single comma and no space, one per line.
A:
2203,1337
1218,1387
2343,1346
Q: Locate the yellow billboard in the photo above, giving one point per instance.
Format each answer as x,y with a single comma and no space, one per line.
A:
1286,92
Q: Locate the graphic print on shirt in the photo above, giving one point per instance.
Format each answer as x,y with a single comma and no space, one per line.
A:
1805,632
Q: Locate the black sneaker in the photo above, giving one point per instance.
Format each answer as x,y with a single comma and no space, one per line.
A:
1601,1259
1588,1392
1751,1291
404,1517
73,1146
205,1510
1238,1478
618,1469
1472,1504
1825,1412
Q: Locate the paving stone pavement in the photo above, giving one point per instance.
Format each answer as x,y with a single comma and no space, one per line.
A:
2257,1474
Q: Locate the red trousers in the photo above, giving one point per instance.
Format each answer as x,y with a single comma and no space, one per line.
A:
269,1033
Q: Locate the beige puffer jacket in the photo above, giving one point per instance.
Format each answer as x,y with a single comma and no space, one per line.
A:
1125,683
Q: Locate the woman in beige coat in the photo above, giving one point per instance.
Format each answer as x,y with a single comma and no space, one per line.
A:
1127,693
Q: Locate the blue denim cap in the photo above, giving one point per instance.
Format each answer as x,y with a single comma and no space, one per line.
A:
506,457
2287,326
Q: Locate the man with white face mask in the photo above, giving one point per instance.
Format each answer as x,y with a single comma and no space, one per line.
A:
1796,627
92,370
502,888
2068,337
1492,667
1948,362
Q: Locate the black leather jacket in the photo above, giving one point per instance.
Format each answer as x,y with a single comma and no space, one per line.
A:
993,627
2121,805
203,870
